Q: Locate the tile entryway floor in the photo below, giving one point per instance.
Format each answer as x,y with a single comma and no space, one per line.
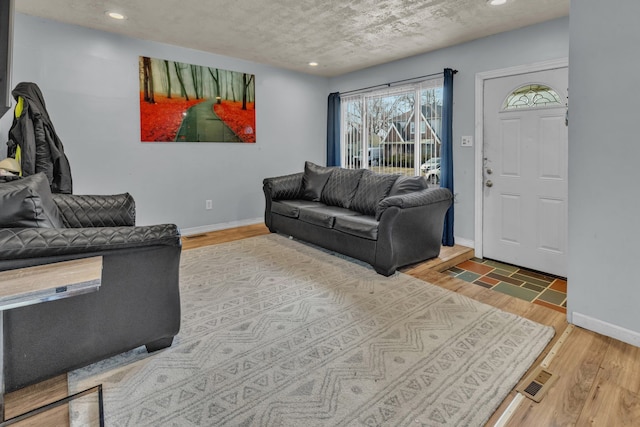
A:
538,288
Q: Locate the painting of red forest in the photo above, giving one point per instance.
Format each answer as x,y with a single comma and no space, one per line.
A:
192,103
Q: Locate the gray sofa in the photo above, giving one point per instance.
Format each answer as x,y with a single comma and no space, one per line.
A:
385,220
137,304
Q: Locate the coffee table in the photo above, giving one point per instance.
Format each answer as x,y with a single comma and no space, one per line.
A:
40,284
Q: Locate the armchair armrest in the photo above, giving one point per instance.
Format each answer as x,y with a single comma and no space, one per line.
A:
415,199
283,187
21,243
80,211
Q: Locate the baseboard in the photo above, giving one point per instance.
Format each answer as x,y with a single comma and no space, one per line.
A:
222,226
607,329
464,242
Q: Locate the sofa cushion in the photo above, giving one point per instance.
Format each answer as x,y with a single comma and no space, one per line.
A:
27,203
291,208
341,187
313,180
324,216
408,184
372,188
364,226
84,210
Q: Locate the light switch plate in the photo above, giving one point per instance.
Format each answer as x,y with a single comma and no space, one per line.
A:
467,141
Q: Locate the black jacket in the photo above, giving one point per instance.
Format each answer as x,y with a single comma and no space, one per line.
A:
41,149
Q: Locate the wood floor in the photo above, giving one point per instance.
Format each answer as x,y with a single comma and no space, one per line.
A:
598,377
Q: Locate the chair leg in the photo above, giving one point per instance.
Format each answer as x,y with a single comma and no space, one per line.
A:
159,344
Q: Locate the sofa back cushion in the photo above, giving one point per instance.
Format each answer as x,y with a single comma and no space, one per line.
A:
408,184
80,210
373,187
313,181
341,187
27,203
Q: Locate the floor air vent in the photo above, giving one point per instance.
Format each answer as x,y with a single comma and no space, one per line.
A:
537,383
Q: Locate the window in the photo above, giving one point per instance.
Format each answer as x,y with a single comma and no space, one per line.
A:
378,128
531,96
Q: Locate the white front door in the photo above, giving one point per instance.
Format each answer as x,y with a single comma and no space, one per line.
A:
525,170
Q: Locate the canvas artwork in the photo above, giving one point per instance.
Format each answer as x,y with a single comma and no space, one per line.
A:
192,103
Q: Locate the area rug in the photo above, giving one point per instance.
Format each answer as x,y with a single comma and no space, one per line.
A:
276,332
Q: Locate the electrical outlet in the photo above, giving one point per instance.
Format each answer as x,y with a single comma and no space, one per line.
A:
467,141
208,204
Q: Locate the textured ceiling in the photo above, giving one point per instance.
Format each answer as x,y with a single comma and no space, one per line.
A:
342,36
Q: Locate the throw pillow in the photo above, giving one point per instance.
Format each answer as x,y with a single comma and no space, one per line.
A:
408,184
341,187
373,187
27,203
313,181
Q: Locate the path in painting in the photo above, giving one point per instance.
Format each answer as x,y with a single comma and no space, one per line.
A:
201,124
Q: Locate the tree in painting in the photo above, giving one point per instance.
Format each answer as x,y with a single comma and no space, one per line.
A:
147,81
192,103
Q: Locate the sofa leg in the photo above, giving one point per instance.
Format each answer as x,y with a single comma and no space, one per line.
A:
385,273
159,344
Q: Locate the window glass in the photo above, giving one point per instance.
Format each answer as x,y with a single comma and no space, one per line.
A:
531,96
382,125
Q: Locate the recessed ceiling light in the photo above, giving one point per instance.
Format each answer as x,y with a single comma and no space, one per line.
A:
115,15
313,64
496,2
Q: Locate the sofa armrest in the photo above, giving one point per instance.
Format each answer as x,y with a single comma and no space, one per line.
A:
21,243
79,211
415,199
410,228
283,187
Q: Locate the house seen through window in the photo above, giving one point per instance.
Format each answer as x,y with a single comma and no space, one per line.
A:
378,129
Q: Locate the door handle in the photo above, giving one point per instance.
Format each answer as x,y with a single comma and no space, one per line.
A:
489,183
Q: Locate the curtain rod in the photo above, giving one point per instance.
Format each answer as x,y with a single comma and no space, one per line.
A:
393,83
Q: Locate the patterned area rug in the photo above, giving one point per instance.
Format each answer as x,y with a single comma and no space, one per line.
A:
279,333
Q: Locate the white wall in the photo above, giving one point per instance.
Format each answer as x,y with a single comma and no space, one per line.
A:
89,80
604,171
532,44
